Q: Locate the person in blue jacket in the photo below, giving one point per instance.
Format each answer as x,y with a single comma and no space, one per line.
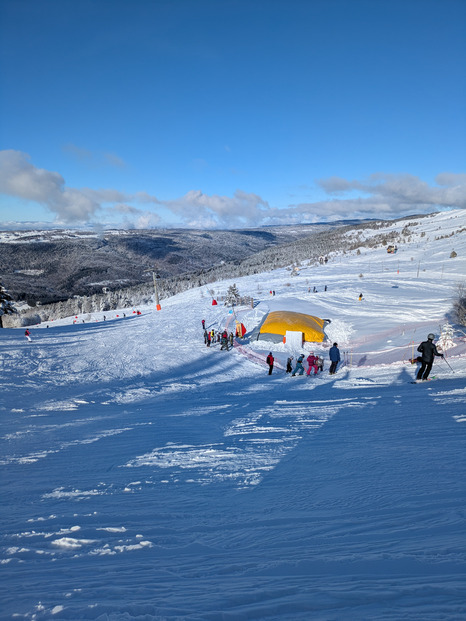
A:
334,354
299,366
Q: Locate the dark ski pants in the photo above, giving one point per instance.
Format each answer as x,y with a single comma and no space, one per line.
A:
333,367
424,370
270,369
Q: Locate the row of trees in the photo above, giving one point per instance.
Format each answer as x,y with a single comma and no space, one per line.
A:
7,306
459,305
330,241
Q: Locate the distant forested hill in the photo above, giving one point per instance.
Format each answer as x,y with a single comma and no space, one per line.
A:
49,266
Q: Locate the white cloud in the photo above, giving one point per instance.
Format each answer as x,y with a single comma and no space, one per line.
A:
20,178
112,159
203,211
93,159
337,185
379,196
402,193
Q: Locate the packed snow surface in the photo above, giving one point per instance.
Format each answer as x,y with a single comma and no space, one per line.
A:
147,477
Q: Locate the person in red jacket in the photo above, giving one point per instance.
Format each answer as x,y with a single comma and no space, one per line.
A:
312,362
270,360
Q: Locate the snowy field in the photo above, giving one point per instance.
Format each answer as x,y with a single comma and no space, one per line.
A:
146,477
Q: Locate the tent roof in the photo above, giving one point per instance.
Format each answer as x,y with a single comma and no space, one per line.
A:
278,322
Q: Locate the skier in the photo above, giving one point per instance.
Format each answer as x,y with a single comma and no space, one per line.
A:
270,361
334,355
320,363
360,297
312,362
27,334
224,340
289,361
299,366
231,337
428,351
208,339
203,324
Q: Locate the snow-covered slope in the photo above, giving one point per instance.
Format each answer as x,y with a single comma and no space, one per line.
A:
148,477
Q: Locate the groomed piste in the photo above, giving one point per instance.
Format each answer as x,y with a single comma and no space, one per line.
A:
147,477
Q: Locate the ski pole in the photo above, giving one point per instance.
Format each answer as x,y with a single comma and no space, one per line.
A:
448,364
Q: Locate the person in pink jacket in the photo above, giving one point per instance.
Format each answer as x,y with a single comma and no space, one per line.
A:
312,362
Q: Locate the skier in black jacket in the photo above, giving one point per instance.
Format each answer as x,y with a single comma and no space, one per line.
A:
428,351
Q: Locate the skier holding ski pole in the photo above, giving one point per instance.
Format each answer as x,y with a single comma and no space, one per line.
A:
428,351
447,363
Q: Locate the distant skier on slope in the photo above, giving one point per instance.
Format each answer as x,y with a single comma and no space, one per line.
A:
289,361
270,361
334,355
428,351
27,334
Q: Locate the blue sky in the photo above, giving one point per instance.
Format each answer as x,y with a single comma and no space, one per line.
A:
230,113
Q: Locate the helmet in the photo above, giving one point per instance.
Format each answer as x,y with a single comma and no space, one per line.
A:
431,336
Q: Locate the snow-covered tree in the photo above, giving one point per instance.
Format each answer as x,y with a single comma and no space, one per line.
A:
6,304
233,296
446,337
460,304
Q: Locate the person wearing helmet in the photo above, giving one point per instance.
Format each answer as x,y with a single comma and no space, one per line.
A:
312,362
428,351
299,366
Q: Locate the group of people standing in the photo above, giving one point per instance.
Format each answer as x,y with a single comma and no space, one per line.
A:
222,337
314,363
427,349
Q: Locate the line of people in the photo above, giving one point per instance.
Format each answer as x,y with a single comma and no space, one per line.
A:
223,337
315,363
427,349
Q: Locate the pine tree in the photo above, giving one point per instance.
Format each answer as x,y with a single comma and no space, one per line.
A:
6,304
460,304
233,296
446,337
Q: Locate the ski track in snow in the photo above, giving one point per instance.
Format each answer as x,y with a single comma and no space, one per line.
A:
146,477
